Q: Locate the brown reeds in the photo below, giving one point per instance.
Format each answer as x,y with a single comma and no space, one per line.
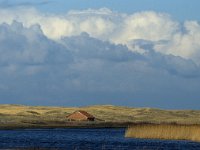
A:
164,131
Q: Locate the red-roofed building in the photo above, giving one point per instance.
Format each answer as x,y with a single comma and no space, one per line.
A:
80,115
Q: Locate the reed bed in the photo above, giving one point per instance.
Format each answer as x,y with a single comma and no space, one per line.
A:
164,131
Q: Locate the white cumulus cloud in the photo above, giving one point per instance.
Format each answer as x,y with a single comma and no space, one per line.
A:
181,39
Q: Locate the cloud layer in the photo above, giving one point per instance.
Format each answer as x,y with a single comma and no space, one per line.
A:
168,35
98,57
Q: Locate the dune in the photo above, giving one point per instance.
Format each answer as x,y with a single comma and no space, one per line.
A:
108,115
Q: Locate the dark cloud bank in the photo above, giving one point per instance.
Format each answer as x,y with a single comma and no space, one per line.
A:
81,70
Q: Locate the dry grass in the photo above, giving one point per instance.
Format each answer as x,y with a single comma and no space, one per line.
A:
29,115
164,131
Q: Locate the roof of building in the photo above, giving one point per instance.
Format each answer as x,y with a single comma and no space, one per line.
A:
84,113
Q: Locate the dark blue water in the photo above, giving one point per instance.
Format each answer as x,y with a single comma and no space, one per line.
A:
84,139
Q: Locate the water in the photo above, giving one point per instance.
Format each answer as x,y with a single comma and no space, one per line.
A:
84,139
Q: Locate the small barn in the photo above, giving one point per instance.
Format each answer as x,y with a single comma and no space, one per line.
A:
80,115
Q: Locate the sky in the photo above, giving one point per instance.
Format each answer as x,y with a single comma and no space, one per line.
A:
141,53
179,9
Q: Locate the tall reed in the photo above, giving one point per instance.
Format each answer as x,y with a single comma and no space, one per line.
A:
164,131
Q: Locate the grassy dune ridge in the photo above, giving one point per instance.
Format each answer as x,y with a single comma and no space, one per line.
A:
40,116
164,131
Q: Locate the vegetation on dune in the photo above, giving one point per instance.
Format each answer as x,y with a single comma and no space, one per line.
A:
164,131
25,116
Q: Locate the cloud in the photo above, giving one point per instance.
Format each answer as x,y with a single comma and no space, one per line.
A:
168,35
21,47
86,47
61,60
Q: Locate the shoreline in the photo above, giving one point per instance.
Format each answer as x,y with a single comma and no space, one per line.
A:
73,125
91,125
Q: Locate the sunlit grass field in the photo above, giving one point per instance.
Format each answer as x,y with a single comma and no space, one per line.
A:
34,116
164,131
